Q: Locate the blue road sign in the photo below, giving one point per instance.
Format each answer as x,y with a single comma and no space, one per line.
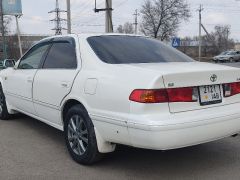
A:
176,42
12,7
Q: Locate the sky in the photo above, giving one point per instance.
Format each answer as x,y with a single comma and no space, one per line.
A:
35,19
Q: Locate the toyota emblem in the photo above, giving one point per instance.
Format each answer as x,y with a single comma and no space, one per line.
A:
213,78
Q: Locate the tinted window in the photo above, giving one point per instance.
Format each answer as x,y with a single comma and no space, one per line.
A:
32,59
132,49
61,56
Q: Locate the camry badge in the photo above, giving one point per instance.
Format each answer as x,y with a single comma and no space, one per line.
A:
213,78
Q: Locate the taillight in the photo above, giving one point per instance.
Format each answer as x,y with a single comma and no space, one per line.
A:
149,96
231,89
188,94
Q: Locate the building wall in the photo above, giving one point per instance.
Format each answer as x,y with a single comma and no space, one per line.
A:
237,46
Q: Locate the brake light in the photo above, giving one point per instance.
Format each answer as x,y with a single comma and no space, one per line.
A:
188,94
231,89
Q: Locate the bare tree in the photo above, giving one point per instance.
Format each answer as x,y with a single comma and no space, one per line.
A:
6,24
220,38
127,28
161,18
216,42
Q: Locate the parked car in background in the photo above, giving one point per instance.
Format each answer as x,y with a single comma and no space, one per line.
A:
108,89
227,56
7,63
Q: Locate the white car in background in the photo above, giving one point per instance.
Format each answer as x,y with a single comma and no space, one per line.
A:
228,56
109,89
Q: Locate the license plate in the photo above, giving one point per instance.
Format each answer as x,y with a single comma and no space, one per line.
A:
210,94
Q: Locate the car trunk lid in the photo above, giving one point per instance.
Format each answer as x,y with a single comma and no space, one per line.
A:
199,76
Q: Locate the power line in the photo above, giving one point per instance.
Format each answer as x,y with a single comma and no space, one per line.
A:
121,3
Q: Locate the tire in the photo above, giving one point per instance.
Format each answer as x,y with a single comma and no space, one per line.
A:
80,136
231,60
4,115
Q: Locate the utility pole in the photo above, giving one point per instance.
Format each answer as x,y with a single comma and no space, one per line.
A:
18,34
58,20
69,17
108,16
136,14
3,31
227,38
200,32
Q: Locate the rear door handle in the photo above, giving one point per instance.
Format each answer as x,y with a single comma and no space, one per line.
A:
65,84
29,79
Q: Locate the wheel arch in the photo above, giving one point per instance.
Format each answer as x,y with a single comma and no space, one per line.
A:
103,146
67,105
9,107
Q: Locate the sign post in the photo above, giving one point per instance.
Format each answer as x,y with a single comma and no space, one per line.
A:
19,37
13,8
3,32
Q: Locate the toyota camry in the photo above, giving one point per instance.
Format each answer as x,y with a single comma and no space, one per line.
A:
108,89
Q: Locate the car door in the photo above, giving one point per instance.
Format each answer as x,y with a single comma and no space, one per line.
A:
54,81
235,56
20,80
238,55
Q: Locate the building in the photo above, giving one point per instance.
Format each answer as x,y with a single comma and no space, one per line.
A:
237,46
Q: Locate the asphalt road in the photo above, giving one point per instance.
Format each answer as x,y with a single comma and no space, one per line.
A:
30,149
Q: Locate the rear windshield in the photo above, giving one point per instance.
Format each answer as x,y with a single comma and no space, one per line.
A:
133,49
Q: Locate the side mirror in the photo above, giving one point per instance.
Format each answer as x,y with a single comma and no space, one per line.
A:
16,64
8,63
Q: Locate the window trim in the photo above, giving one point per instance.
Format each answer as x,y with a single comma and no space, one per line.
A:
70,40
51,41
48,42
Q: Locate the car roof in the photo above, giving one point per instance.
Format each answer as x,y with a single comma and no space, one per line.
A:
86,35
107,34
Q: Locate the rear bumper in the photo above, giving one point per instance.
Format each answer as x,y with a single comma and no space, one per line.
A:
186,128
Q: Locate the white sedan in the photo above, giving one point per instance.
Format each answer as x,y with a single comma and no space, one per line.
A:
103,90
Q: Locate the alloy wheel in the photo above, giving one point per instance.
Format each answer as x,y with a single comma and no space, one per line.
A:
77,135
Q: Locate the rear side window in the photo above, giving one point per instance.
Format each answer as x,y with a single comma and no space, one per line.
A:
61,56
133,49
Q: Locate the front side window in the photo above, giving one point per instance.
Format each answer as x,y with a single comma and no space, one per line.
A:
134,49
33,58
61,56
